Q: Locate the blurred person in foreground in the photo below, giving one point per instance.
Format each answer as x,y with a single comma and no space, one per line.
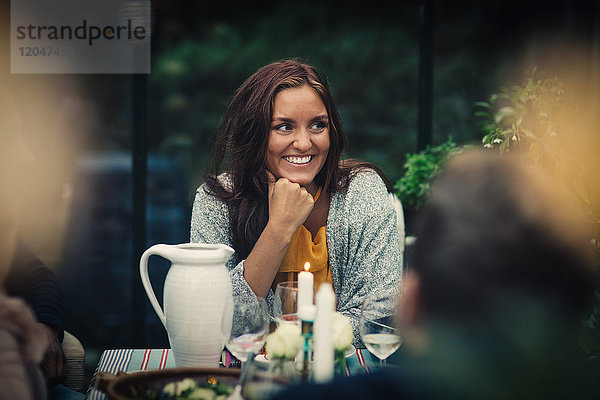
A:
502,274
22,343
30,280
28,337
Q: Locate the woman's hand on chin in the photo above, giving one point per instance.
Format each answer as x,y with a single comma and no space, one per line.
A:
289,205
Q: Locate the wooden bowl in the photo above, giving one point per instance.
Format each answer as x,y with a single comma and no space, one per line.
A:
125,386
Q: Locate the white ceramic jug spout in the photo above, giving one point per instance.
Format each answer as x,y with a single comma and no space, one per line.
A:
226,251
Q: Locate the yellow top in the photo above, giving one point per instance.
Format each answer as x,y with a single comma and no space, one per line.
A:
302,249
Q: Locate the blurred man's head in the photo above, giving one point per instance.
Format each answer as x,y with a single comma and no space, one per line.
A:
498,238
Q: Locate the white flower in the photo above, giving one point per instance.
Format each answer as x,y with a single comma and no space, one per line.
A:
275,346
487,146
497,140
202,394
178,387
514,138
285,342
342,332
289,329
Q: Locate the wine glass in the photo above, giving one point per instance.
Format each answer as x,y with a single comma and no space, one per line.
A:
377,326
285,303
250,327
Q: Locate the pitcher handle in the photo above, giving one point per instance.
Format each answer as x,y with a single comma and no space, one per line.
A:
159,250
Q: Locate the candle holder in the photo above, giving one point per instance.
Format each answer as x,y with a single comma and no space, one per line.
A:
307,317
307,328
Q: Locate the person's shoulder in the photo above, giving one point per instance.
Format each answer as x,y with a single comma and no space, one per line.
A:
366,180
364,187
364,173
210,200
223,181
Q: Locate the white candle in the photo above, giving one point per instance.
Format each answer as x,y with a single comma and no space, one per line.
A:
323,334
306,282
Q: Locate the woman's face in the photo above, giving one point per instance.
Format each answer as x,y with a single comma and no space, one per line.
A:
299,136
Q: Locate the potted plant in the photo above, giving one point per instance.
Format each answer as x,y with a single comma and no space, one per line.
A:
419,170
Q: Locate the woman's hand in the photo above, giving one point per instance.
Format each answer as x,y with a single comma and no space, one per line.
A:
289,205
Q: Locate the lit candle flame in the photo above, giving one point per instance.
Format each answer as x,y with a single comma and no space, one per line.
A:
306,266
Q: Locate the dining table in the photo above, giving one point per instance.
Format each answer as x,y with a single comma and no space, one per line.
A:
115,361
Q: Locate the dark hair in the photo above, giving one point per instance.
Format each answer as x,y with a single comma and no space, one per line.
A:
496,231
243,140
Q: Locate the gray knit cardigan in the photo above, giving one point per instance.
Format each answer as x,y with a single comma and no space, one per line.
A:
362,241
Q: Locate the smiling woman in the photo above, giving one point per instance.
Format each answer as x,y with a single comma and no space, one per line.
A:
285,197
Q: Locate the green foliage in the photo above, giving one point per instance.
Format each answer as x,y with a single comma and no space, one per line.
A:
420,169
538,117
589,339
541,118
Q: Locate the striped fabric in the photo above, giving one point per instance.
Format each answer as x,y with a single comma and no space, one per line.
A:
130,360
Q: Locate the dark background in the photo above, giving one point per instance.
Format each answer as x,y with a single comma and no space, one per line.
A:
81,127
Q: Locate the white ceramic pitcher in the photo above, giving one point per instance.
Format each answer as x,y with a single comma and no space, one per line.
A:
197,300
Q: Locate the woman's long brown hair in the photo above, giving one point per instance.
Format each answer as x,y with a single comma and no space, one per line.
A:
242,143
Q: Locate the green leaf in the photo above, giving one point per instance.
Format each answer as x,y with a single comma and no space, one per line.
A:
504,112
490,126
482,114
483,104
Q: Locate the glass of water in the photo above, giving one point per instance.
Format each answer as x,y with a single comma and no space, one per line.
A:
377,326
250,327
285,303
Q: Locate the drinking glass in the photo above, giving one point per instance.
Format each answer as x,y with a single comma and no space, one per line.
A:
285,303
250,327
377,326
